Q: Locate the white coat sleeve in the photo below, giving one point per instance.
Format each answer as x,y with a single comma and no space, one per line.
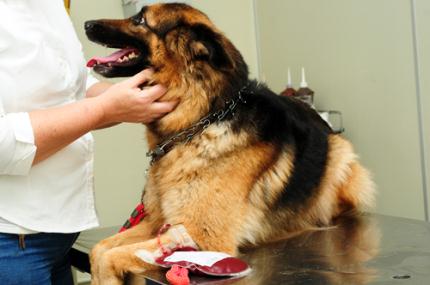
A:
17,148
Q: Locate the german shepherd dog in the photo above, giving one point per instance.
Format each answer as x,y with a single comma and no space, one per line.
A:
234,164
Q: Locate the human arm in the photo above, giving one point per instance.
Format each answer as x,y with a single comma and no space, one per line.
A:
97,89
55,128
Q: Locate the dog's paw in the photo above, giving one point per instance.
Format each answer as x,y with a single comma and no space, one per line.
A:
96,255
112,267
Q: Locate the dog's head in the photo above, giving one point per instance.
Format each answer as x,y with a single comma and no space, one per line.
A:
188,54
162,36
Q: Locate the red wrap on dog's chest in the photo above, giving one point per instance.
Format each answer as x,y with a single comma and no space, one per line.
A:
136,216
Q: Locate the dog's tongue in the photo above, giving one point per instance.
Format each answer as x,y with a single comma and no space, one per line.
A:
111,58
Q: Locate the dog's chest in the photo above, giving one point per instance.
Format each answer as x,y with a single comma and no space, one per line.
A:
194,172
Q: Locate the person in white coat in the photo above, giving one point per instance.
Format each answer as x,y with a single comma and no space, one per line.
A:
48,106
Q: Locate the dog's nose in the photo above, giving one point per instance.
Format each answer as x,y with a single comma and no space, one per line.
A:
89,24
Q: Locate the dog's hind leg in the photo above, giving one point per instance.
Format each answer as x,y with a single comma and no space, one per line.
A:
359,189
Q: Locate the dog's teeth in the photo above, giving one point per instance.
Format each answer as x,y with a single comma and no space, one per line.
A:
128,57
123,59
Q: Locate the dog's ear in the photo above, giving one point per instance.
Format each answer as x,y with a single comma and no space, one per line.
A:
208,45
198,50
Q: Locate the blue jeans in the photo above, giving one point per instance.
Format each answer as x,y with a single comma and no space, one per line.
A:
37,259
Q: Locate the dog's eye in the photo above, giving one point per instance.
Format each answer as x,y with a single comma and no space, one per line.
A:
139,20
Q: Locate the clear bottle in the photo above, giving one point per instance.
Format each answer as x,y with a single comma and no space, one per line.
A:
304,93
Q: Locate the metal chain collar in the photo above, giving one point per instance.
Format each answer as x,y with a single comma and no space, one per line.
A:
187,135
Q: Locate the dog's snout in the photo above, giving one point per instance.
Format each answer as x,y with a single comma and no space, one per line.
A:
89,24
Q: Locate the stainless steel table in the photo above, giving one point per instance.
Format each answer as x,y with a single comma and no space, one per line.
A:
370,249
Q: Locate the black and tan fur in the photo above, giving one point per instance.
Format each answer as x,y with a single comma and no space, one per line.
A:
272,168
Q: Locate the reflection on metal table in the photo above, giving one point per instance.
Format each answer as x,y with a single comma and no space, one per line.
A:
370,249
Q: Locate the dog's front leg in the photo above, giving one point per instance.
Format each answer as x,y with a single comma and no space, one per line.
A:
139,233
137,258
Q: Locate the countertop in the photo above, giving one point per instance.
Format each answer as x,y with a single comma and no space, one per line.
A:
369,249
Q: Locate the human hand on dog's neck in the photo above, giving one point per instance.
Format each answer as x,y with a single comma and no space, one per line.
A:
57,127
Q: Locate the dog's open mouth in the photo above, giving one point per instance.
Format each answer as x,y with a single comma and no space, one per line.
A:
126,58
131,57
123,57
